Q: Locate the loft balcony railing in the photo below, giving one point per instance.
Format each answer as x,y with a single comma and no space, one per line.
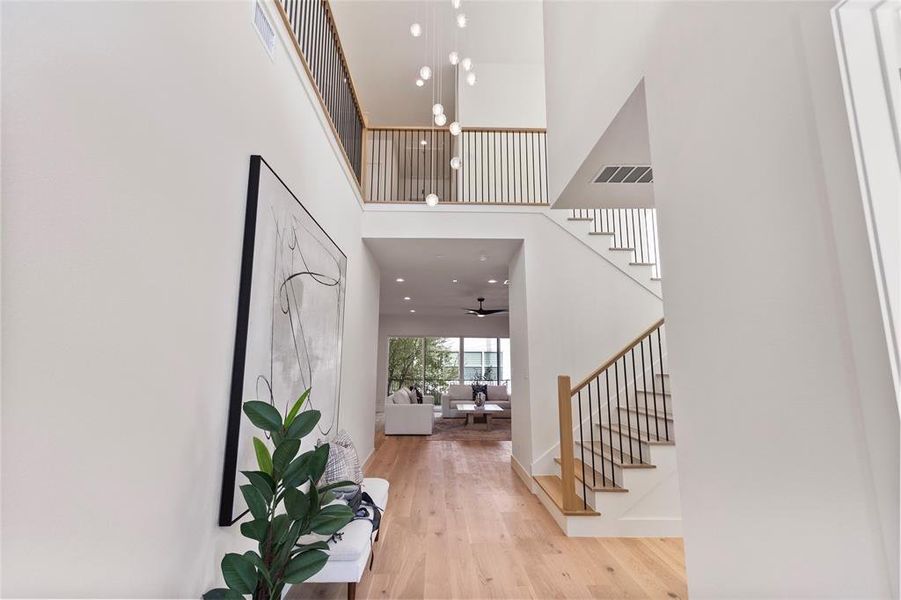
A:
316,40
497,166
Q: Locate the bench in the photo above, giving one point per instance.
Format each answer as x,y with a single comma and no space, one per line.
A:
349,556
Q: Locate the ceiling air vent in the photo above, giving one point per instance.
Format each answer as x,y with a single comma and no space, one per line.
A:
264,28
625,174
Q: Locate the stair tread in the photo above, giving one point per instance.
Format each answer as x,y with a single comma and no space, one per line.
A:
635,434
611,453
607,484
642,264
580,219
553,487
652,392
601,233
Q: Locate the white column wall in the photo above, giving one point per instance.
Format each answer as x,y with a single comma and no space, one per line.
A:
127,132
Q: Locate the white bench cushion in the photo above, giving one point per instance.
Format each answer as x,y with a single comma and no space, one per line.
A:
348,556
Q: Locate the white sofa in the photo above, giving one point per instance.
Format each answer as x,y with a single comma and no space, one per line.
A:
457,394
349,555
404,416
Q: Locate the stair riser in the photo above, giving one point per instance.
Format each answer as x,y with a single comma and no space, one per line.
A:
646,422
617,470
612,438
663,403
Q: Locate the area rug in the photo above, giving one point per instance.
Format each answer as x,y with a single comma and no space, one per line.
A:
456,430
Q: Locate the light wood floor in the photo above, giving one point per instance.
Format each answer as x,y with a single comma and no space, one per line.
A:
461,524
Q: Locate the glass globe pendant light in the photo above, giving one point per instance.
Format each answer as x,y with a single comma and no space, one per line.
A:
461,20
453,57
432,199
471,78
437,109
456,4
455,128
425,73
466,63
420,83
440,120
456,163
416,30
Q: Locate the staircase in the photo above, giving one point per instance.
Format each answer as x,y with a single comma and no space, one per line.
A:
625,237
616,466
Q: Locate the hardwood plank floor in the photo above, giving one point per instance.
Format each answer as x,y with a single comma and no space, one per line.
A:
461,524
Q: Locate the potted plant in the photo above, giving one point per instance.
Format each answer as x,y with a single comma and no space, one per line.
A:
285,505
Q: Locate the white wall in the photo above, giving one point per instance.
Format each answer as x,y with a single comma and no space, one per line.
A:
788,428
505,95
425,326
562,296
127,130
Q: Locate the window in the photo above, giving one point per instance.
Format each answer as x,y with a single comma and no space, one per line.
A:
434,363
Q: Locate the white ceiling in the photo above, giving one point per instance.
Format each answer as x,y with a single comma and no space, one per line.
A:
384,58
429,266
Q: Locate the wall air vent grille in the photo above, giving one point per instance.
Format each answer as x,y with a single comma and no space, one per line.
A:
264,28
625,174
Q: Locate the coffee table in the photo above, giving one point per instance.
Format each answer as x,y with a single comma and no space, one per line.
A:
479,416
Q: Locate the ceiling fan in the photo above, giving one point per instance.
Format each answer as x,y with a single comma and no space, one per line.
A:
483,312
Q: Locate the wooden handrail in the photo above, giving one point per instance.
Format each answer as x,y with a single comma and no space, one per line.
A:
615,358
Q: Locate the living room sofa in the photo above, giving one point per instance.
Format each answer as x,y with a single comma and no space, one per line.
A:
457,394
405,416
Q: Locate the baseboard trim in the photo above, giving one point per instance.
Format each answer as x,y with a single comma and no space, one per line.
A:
522,473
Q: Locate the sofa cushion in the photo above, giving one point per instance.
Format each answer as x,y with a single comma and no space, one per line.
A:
460,392
400,396
497,392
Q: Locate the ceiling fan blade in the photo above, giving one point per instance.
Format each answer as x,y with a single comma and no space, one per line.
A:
494,311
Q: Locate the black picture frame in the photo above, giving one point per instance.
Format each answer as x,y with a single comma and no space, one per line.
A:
258,167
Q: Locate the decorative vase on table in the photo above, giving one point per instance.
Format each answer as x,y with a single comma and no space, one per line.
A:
480,400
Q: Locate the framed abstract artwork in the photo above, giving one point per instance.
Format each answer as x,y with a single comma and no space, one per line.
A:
289,326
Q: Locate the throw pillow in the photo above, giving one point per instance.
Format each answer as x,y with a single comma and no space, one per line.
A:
343,463
418,395
411,395
401,397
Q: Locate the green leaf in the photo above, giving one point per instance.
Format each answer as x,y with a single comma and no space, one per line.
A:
296,503
277,437
284,453
307,547
304,565
263,457
337,484
296,408
326,497
331,518
303,424
239,573
318,462
263,482
255,502
256,529
298,470
258,563
222,594
280,525
263,415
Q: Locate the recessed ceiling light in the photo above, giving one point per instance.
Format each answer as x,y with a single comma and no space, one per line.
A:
483,258
492,281
412,310
455,281
399,280
406,297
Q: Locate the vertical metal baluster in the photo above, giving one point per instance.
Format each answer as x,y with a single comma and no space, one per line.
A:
662,383
618,420
594,482
597,384
628,416
635,400
582,450
609,424
644,392
654,381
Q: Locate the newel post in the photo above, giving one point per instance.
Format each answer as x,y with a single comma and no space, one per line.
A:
567,468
